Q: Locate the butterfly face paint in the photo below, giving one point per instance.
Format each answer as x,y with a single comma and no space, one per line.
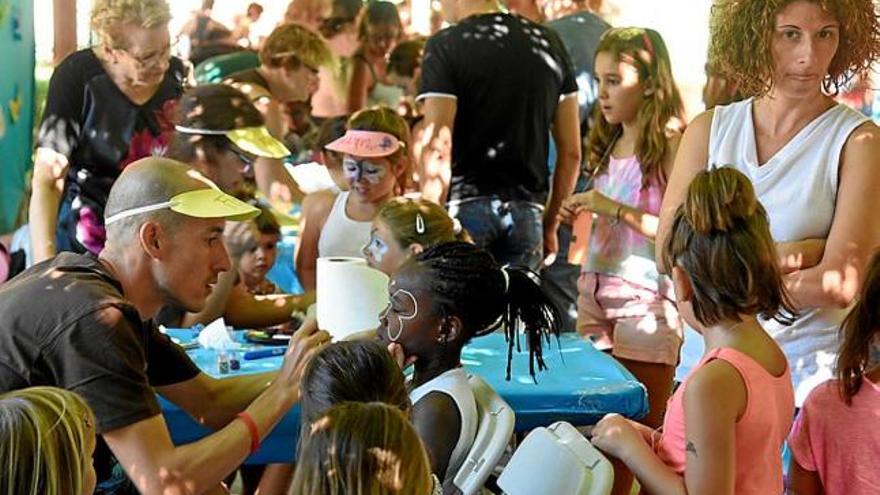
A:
363,170
400,295
376,249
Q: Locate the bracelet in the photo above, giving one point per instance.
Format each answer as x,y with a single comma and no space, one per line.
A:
617,215
248,421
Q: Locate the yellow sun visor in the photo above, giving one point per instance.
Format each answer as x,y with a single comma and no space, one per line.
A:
198,203
255,140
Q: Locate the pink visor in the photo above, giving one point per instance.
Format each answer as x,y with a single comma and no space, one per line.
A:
367,144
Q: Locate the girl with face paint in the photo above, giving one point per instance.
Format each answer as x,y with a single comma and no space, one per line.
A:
405,227
375,166
433,313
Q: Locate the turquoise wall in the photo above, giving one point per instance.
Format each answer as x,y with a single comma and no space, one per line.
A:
16,104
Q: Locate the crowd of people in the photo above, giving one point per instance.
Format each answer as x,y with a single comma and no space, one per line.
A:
461,165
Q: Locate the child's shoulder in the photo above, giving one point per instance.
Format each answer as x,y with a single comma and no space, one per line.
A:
318,202
716,384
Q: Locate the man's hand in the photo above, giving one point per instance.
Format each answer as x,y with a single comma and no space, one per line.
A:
303,345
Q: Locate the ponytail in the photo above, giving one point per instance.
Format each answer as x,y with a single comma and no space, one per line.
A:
511,298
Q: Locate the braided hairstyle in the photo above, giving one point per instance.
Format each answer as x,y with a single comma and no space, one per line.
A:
510,297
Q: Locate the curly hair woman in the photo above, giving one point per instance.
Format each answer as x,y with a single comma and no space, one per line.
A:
812,161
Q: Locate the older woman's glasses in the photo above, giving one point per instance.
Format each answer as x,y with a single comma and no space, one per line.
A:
149,60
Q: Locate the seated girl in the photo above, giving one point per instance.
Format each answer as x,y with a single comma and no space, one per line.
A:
375,165
48,440
433,313
725,425
357,447
405,227
351,371
835,442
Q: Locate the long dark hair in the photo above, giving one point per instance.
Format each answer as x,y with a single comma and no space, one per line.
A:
467,282
857,334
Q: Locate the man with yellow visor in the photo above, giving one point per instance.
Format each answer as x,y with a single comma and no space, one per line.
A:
83,323
220,133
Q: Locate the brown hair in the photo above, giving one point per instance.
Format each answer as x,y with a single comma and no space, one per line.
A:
741,31
359,448
406,57
400,215
266,222
858,333
290,45
721,238
376,13
383,119
662,110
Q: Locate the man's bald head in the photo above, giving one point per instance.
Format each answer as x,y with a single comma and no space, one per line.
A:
148,181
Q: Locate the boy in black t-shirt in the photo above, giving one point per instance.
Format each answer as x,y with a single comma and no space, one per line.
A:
500,84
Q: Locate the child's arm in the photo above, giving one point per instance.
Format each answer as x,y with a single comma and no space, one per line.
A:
245,310
802,481
642,222
714,398
315,210
437,420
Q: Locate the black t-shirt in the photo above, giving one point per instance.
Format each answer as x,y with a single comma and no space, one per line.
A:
65,323
91,121
507,75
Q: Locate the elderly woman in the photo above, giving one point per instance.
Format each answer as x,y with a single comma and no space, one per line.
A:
107,106
812,161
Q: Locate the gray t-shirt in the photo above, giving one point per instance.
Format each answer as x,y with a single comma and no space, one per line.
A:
580,33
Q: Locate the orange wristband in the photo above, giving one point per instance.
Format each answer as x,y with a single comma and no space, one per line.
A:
248,421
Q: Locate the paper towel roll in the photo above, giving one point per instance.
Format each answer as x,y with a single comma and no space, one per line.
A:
350,295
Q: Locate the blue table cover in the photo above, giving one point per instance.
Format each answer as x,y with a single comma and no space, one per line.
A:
580,386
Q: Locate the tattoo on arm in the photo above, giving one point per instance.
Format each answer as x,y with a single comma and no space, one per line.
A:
690,448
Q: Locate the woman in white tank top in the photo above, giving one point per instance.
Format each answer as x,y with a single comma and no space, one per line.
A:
814,163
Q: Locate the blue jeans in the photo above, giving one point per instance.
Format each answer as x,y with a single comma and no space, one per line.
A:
511,230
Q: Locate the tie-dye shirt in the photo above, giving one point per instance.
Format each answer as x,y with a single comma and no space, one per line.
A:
617,249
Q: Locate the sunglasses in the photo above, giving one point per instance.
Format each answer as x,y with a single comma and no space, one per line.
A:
247,159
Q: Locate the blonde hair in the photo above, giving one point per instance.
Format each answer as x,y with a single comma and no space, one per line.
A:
401,216
358,448
290,45
44,431
110,17
662,109
721,238
741,31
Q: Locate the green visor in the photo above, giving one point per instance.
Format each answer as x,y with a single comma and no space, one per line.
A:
198,203
254,140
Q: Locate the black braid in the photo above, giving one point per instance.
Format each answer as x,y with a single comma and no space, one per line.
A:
469,284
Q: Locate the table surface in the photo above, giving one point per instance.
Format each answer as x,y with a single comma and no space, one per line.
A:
580,385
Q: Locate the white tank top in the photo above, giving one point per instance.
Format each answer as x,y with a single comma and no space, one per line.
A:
798,188
342,236
454,383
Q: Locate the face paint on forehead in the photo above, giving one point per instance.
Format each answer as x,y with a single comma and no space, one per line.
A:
357,170
401,319
376,248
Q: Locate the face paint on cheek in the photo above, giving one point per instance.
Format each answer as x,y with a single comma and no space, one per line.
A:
401,319
362,170
376,249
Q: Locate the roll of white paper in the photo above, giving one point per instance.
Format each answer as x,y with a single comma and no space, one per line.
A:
350,296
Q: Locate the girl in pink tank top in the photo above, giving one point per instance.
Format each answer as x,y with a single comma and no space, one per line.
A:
725,425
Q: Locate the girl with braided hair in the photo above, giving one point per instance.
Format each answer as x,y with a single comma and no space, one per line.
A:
439,300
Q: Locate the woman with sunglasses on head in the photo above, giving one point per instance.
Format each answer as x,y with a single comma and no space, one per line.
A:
376,166
107,106
288,73
379,29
